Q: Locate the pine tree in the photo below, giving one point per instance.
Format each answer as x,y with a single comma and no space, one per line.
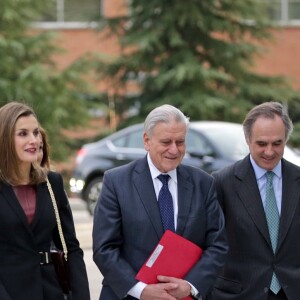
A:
196,55
29,73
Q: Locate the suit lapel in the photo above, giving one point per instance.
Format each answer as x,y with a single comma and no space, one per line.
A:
249,194
144,186
185,189
16,207
143,183
41,204
290,198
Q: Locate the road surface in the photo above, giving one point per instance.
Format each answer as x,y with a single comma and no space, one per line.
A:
83,225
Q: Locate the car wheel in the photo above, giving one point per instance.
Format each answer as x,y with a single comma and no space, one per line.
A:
92,193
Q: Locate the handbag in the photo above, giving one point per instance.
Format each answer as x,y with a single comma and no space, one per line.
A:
60,258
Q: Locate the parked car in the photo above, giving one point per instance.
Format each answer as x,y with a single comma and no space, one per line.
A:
210,145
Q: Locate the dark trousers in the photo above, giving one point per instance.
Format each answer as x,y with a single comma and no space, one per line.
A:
280,296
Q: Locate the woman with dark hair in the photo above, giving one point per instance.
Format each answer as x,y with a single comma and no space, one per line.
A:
28,224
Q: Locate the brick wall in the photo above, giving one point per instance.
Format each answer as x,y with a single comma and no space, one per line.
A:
281,57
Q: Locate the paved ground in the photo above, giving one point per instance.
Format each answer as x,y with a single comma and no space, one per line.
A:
83,225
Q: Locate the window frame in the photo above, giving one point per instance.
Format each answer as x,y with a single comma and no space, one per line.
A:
284,19
60,22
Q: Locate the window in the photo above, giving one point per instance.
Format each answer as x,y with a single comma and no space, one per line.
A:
285,11
131,140
294,10
71,11
196,143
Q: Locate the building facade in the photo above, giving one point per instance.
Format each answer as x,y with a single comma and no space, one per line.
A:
78,37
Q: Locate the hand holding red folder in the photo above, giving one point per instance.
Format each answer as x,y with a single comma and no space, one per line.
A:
173,256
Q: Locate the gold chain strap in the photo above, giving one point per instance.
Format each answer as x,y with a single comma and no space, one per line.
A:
61,235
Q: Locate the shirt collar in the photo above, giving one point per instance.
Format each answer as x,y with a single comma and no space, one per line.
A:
155,172
260,172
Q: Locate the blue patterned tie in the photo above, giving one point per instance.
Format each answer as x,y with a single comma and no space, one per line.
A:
165,203
272,216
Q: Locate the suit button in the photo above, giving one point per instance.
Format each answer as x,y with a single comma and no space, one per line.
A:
266,290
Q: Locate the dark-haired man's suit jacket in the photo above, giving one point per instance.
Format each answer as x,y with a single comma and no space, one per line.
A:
127,226
249,266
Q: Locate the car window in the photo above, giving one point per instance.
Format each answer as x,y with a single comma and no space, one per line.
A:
130,140
135,139
196,143
231,142
120,141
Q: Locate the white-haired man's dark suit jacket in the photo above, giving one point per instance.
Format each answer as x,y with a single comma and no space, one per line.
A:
127,226
249,266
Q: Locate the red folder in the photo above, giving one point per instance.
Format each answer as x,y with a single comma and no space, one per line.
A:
173,256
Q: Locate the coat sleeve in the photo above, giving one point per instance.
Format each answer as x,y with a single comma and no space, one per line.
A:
108,239
204,273
3,293
77,268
